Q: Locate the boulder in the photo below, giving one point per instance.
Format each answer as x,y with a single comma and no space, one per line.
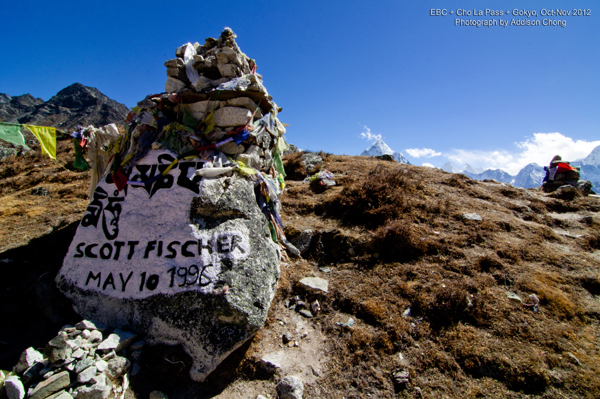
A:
311,160
180,260
303,241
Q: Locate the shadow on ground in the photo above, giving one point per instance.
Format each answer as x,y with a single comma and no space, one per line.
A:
31,308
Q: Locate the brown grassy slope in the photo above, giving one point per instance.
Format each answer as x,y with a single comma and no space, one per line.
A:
394,238
39,194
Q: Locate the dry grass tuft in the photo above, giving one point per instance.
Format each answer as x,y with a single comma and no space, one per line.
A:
489,262
399,240
385,194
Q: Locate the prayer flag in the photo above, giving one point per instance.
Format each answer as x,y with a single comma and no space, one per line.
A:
47,138
12,133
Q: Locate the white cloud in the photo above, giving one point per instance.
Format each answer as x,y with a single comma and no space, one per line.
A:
366,134
486,159
422,152
428,165
543,146
537,149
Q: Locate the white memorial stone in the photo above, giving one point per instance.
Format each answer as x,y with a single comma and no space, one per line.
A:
181,260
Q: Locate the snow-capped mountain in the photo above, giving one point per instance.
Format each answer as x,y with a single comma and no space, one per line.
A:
449,167
593,158
496,174
591,173
468,168
379,147
530,176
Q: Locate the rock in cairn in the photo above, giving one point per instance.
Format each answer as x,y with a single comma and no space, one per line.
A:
81,361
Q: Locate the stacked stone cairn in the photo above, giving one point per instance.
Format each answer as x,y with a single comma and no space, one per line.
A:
215,107
82,361
563,179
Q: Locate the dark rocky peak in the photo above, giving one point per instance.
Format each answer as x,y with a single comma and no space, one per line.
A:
26,100
74,105
78,96
13,107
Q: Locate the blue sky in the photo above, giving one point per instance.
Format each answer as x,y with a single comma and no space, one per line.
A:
492,97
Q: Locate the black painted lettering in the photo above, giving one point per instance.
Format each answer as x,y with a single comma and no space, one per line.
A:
104,248
173,253
184,181
143,281
91,276
223,243
202,245
118,245
159,253
235,243
79,253
151,245
184,275
200,282
94,210
124,282
88,251
163,181
132,245
109,280
193,273
184,250
143,175
152,282
172,271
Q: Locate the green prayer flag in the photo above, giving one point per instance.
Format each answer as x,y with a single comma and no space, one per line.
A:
12,133
278,162
273,232
80,162
188,119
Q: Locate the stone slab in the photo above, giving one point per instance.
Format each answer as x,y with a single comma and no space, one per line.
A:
53,384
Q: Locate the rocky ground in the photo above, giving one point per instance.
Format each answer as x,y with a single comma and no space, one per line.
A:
433,286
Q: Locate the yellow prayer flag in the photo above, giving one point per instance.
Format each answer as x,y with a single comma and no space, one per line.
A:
47,138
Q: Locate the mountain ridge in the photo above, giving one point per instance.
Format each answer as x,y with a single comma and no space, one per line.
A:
72,106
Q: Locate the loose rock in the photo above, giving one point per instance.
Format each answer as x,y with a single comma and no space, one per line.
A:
290,387
53,384
28,358
471,216
117,367
14,387
86,375
158,395
315,285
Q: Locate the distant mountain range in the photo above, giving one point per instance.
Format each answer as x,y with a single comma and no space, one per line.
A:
379,147
532,175
72,106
